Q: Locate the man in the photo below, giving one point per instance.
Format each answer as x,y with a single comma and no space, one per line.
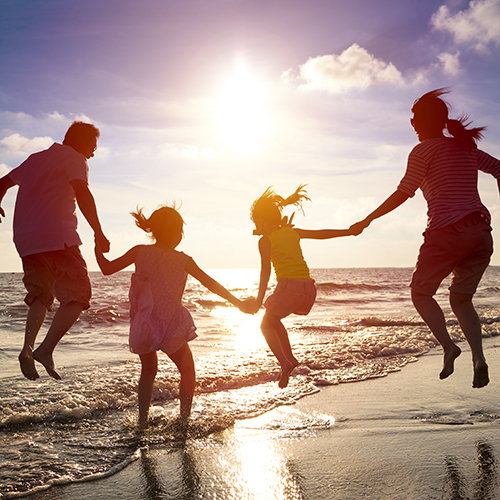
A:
51,182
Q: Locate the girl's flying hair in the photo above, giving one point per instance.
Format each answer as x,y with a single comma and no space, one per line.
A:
165,223
267,209
432,111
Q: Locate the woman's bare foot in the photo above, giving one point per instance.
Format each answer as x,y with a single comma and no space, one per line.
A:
449,360
27,363
481,378
285,373
48,362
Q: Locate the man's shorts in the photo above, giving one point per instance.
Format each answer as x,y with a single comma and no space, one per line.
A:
61,274
291,296
463,249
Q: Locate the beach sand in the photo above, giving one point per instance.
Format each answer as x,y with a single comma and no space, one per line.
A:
405,436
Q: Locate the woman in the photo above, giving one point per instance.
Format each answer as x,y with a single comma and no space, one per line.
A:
457,239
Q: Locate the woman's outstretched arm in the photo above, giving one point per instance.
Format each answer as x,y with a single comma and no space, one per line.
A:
394,201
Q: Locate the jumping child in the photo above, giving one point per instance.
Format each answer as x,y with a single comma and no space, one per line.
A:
158,320
296,291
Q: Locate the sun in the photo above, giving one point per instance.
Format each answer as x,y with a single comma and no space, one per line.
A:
242,117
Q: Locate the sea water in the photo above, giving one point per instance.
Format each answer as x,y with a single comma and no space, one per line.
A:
362,326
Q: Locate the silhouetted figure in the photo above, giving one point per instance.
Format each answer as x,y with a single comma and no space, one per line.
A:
158,320
51,182
295,292
457,239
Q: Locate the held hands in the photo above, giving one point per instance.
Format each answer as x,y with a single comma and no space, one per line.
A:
358,227
102,243
249,306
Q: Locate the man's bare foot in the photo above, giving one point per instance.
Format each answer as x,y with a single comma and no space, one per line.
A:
285,373
481,378
48,362
28,366
448,363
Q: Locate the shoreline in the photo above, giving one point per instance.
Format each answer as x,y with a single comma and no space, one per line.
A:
407,435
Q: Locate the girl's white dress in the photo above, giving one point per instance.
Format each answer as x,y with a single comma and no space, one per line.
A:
158,320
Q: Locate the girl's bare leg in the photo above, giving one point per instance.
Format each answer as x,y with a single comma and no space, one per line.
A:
149,367
277,339
183,359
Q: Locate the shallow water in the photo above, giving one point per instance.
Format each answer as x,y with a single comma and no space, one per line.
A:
363,326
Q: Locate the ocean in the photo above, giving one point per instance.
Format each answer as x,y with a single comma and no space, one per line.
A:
363,326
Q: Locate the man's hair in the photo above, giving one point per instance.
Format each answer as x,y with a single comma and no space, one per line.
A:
80,131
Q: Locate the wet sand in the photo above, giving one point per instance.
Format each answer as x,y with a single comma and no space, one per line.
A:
405,436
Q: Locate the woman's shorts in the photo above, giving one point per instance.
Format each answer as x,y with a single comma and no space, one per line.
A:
291,296
463,249
60,274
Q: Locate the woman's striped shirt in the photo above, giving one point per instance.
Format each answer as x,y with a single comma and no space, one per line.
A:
446,172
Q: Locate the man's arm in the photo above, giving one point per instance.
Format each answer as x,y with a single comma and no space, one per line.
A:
5,184
394,201
87,206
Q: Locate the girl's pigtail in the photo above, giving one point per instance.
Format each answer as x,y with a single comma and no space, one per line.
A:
297,198
468,137
140,220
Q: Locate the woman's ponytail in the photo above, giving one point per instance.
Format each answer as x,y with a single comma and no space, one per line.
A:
466,136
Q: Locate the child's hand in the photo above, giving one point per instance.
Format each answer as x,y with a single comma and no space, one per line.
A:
358,228
249,306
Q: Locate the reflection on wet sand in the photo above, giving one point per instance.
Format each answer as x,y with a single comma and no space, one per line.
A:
184,485
457,487
249,466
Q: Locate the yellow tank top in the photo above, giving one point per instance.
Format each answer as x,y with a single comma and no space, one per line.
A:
286,254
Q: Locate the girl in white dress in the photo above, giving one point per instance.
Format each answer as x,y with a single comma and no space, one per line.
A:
158,320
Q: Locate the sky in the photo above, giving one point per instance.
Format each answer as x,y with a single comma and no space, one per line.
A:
206,103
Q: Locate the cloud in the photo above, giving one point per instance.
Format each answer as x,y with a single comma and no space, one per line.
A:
17,144
450,63
478,26
355,68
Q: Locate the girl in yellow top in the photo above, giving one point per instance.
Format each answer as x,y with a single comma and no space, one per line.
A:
296,291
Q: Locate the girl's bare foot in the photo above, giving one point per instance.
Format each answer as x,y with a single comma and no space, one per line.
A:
28,366
449,359
285,373
48,362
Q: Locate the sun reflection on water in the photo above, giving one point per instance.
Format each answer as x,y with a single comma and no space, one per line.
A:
244,328
258,468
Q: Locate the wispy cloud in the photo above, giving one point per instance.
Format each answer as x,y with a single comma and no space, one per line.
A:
450,63
355,68
478,26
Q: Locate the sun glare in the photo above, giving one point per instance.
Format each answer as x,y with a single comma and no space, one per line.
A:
241,113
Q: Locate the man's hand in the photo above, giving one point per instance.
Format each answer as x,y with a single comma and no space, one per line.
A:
103,242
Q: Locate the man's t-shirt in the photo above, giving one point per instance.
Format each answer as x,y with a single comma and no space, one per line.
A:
45,213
